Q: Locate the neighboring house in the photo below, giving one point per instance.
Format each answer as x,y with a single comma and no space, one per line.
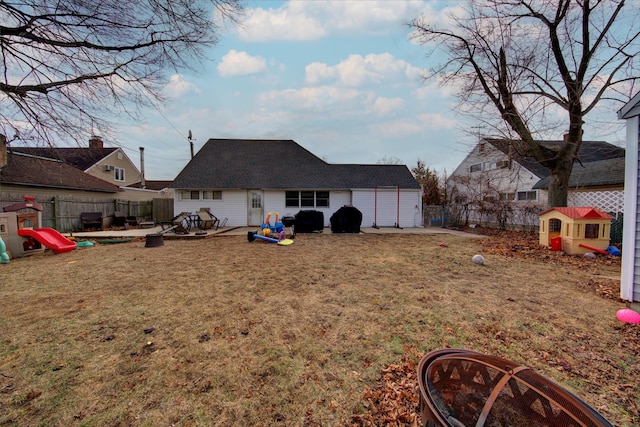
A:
630,277
110,164
244,180
494,176
48,179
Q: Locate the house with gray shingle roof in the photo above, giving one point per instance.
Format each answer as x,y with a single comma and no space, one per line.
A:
110,164
245,179
494,173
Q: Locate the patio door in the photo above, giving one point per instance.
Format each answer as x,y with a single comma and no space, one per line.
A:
255,208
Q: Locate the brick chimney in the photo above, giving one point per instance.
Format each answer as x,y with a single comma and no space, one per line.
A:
3,151
95,142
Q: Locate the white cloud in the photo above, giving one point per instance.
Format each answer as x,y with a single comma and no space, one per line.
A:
179,86
312,20
358,70
397,128
436,121
320,98
237,63
383,105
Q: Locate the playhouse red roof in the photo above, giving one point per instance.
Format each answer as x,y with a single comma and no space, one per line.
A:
580,213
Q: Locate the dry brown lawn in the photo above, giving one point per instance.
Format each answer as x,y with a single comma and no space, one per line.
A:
320,333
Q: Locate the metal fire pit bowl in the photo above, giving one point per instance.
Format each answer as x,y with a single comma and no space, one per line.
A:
463,388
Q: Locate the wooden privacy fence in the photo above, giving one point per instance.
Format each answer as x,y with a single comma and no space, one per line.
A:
63,212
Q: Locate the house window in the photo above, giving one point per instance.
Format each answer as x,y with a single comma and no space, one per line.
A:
212,195
502,164
322,199
292,199
119,155
591,231
475,168
118,174
190,195
527,195
307,199
507,197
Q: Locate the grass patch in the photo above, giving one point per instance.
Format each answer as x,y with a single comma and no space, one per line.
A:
225,332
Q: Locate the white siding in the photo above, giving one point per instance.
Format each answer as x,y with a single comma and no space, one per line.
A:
384,211
630,282
233,206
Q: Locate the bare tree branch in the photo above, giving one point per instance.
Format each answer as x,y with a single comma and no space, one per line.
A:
530,59
69,67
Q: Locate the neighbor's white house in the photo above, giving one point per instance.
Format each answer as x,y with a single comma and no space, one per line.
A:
243,180
494,173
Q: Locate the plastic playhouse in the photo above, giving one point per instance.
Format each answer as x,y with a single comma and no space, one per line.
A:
575,230
21,231
272,233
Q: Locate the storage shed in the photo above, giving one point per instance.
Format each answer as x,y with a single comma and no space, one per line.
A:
575,230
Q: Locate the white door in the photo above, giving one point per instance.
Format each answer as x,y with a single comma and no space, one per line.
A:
255,208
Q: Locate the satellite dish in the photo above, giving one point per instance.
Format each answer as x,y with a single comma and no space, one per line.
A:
190,136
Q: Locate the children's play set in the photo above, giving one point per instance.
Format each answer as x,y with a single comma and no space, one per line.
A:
22,235
272,233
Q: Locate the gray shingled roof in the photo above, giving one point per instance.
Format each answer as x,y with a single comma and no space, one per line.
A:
27,170
603,172
280,164
80,158
590,151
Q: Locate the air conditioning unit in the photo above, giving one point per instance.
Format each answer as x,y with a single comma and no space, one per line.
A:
108,168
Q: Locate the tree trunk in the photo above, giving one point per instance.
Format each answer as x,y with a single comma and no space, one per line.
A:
559,185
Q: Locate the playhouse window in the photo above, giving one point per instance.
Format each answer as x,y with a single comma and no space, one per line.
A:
555,225
591,231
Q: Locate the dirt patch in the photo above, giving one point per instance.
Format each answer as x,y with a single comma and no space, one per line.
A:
327,331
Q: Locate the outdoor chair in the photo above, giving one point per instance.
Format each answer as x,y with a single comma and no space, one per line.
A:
207,219
179,224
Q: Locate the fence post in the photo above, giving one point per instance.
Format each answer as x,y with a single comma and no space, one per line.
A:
54,219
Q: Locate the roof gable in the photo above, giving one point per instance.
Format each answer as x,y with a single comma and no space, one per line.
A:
280,164
590,151
28,170
579,212
631,108
592,174
80,158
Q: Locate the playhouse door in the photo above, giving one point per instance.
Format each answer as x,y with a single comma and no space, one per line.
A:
255,208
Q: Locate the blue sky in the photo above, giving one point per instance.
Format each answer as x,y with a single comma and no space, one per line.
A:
338,77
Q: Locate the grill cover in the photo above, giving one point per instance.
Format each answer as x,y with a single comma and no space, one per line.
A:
309,221
347,219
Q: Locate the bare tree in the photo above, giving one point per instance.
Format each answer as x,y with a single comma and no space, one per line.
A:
70,67
389,160
534,61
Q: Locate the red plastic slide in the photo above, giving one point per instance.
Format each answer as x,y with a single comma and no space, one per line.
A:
50,238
